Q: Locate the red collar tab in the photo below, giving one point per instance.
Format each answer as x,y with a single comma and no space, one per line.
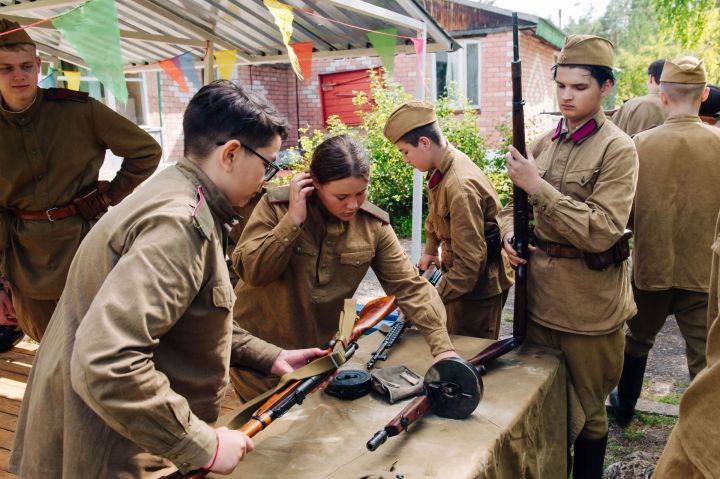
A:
558,130
586,130
434,178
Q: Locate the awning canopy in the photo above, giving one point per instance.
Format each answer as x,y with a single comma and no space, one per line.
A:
154,30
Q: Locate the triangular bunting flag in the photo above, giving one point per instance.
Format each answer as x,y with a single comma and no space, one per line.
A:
284,19
187,65
225,62
92,29
419,52
48,80
174,72
384,43
304,53
72,80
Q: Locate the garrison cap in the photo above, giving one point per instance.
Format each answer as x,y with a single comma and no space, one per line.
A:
711,106
407,117
16,38
587,50
686,69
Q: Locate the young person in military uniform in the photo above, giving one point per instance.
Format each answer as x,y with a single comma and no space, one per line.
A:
643,112
135,362
463,205
691,451
580,178
307,247
53,145
673,219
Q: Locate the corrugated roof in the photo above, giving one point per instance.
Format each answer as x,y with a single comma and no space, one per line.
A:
153,30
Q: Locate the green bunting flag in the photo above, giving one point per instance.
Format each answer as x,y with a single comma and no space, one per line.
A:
385,46
92,29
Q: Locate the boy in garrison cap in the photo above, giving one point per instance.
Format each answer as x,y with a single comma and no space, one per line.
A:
53,145
692,451
463,206
639,114
580,178
674,217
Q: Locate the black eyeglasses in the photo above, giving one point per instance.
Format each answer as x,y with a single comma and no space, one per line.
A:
270,168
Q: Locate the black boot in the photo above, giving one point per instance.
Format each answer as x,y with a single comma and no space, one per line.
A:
589,458
624,397
9,337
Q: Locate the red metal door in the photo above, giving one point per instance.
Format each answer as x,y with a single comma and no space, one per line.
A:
338,90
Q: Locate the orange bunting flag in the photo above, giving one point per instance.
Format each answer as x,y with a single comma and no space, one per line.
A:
174,72
304,52
72,80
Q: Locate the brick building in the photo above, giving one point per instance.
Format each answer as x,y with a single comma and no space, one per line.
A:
480,68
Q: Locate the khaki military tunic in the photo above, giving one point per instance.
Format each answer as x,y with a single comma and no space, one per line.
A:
691,451
49,153
674,216
588,183
135,361
294,279
462,205
585,198
639,114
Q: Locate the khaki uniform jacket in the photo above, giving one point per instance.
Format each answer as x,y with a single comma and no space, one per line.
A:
462,204
294,279
135,361
588,183
699,424
640,114
678,195
49,153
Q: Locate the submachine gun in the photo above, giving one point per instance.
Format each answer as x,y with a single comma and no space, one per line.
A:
433,275
294,391
453,387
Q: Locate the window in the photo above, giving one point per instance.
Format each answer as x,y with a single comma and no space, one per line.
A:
461,69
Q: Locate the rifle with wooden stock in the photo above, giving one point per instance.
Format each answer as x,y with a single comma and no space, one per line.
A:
295,391
453,387
433,275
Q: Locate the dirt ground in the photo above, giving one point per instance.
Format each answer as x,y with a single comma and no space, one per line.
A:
633,451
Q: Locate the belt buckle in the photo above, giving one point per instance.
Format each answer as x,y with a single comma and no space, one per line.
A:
49,213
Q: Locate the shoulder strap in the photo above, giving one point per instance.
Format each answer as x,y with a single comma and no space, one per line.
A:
65,94
376,212
281,194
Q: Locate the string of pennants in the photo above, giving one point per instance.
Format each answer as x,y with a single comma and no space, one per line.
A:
92,29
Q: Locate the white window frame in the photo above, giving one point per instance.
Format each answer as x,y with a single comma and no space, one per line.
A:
461,55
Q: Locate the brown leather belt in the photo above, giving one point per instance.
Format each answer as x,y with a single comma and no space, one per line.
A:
52,214
557,250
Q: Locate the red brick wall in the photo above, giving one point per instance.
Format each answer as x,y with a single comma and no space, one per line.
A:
279,85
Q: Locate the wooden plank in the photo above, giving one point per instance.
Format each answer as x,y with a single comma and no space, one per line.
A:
4,460
7,421
9,406
6,438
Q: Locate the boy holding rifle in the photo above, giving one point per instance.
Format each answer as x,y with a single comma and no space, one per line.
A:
580,178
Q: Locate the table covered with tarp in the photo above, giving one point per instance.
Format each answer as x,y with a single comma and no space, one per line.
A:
519,429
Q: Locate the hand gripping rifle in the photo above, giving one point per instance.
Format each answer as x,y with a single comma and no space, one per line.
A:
294,391
453,387
433,275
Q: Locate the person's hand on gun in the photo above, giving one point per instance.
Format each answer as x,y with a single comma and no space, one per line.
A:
232,446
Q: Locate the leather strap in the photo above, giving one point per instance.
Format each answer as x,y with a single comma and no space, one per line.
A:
52,214
557,250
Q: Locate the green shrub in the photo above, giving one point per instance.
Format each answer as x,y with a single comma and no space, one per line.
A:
391,179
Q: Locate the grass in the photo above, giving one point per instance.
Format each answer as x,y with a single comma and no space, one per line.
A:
670,398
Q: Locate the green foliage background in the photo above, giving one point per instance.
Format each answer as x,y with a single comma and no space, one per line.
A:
390,178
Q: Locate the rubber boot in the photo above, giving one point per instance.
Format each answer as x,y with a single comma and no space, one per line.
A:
9,337
624,397
589,458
